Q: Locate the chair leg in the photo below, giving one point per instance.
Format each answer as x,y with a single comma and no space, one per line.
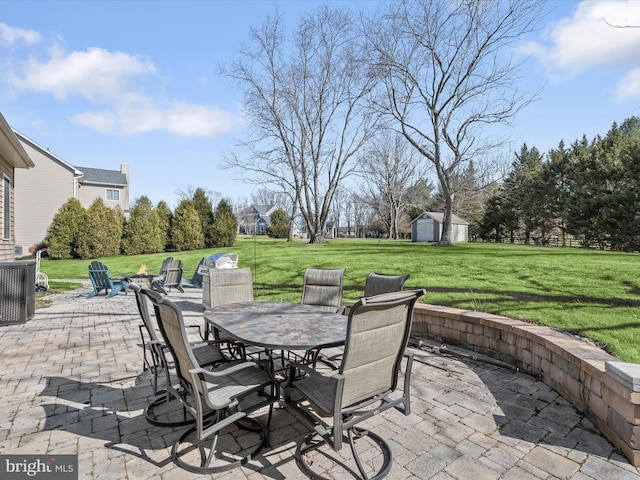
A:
313,442
191,454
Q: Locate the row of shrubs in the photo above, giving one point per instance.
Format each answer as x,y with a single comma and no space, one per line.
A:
101,231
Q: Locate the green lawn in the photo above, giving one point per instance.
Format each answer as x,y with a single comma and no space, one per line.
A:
590,293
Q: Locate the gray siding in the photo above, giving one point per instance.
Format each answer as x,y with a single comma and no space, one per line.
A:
40,193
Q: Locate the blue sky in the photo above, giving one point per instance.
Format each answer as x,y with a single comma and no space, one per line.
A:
102,83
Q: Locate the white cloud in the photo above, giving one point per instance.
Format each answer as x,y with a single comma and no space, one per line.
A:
136,114
117,84
629,87
10,36
589,39
95,74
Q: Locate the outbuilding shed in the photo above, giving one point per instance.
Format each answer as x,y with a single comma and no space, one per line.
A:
428,228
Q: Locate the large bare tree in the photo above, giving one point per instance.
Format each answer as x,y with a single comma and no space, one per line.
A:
304,97
389,169
448,72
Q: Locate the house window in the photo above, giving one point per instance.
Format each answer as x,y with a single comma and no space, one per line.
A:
6,209
113,194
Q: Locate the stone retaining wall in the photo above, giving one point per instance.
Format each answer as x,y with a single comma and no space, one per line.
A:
606,390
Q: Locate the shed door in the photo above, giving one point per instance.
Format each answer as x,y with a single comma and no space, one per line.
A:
421,231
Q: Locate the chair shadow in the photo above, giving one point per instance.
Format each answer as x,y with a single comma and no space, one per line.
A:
116,416
101,412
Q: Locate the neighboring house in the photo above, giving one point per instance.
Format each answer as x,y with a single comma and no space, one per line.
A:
428,228
13,159
110,185
41,191
255,219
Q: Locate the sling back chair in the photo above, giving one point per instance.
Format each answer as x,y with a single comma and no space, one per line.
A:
377,335
378,283
218,398
157,359
323,287
101,280
229,285
375,284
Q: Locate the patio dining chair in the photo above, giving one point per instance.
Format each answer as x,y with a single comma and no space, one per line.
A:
375,284
101,280
377,334
218,398
231,285
157,358
323,288
378,283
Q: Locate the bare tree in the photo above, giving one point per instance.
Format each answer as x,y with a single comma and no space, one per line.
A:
304,97
389,169
447,74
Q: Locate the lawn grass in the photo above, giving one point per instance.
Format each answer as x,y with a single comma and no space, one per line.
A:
590,293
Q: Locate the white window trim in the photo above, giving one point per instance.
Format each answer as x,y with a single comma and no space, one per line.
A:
106,194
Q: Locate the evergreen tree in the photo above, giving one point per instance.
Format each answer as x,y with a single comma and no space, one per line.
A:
142,232
205,210
278,224
186,229
164,216
100,232
62,234
225,225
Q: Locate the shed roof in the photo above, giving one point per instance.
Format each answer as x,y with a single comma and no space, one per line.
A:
439,217
102,176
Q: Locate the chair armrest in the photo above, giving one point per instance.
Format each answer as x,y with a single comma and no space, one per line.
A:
198,327
222,373
293,366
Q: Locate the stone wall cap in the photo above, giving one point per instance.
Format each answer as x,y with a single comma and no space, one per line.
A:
626,373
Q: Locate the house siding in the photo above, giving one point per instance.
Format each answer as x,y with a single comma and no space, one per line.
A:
87,194
35,209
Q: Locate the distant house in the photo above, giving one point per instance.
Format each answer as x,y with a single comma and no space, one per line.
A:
41,191
255,219
110,185
428,228
13,159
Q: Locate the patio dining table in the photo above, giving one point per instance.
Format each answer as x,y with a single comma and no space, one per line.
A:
279,326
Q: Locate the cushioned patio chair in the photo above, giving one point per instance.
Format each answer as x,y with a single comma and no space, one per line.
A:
101,280
377,334
157,358
218,398
323,287
378,283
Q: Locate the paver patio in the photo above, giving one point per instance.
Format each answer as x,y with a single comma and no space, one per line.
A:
71,382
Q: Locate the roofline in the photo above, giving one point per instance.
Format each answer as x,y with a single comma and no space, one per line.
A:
428,215
90,182
46,152
21,154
